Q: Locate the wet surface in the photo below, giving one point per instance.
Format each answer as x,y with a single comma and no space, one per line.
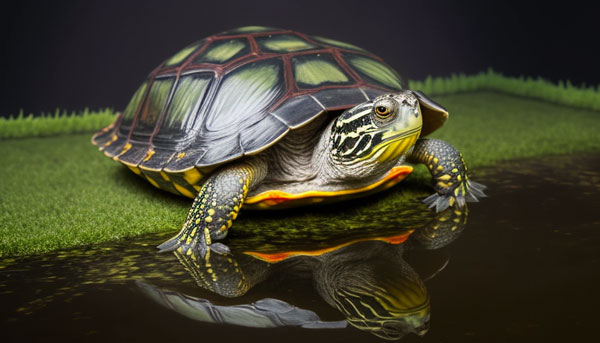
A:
525,267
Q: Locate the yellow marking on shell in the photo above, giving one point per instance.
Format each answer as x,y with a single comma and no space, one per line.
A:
336,43
208,219
244,29
211,212
223,51
112,139
317,72
183,190
135,170
154,183
181,55
192,176
377,71
180,156
165,176
444,177
125,149
286,44
149,155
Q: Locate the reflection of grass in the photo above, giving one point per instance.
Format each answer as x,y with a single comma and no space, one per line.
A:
59,192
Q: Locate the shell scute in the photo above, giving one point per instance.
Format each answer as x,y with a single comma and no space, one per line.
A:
223,51
296,111
237,93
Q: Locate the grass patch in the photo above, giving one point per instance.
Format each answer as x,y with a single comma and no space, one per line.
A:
564,93
60,192
55,124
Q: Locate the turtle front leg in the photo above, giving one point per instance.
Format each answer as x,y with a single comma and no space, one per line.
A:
449,172
215,208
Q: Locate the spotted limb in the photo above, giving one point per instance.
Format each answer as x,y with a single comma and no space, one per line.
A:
449,171
214,209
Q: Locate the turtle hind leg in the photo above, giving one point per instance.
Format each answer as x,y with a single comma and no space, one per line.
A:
449,172
214,209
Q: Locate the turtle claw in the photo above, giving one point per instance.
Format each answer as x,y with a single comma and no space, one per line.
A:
475,191
180,244
169,245
220,248
440,202
437,201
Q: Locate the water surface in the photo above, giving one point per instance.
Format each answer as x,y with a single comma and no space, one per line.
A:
525,267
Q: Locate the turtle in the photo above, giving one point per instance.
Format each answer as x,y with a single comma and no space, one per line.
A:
270,118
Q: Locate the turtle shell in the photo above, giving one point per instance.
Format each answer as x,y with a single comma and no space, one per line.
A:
237,93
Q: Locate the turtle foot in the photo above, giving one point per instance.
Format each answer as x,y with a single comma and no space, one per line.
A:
182,244
440,202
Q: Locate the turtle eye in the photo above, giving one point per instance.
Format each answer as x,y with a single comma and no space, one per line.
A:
383,111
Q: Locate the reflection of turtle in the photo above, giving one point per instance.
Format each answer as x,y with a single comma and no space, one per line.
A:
366,279
275,118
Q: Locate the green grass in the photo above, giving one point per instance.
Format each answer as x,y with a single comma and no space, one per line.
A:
60,192
563,93
53,124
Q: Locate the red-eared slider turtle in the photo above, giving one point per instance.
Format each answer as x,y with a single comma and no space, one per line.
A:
272,118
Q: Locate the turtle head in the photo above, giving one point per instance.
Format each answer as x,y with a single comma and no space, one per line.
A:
371,137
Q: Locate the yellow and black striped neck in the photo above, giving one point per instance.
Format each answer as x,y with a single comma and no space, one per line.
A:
370,138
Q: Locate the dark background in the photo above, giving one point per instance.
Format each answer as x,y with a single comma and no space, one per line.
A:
73,54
